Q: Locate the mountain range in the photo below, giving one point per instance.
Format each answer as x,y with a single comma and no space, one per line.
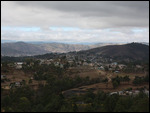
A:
29,49
136,51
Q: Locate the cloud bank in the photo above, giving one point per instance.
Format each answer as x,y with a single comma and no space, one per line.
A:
80,21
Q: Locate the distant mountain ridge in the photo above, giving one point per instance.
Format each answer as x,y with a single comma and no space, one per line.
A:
30,49
21,49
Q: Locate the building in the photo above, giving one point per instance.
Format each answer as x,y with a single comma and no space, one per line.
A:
101,68
18,84
3,76
116,72
113,93
121,66
120,93
19,65
114,63
138,66
146,92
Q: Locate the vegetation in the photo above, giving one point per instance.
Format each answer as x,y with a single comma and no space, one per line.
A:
49,97
47,100
139,80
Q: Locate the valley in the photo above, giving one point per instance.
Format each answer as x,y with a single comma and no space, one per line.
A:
77,74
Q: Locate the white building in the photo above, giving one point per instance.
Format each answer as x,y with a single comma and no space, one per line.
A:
19,65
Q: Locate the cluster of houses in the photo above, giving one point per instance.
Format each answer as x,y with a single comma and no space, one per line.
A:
17,65
50,61
131,93
96,63
15,84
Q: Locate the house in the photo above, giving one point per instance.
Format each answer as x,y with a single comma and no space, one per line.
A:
138,66
31,78
61,65
41,61
120,92
121,66
91,64
114,63
3,76
18,84
116,72
15,84
56,63
11,65
130,92
85,63
12,85
146,92
19,65
113,93
70,61
135,92
110,69
101,68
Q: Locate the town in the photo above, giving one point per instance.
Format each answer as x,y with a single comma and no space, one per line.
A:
112,78
73,65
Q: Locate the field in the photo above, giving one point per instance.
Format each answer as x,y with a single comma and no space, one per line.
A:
84,71
93,73
18,76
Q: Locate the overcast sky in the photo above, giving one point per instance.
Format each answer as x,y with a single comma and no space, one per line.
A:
80,22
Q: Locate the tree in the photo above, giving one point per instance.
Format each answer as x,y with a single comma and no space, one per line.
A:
23,82
30,81
115,84
39,108
140,105
24,104
110,103
146,78
106,81
126,78
123,104
6,101
137,80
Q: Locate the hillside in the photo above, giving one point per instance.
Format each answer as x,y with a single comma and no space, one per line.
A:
63,48
134,51
29,49
20,49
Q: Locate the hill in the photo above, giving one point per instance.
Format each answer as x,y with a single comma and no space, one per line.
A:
20,49
135,51
30,49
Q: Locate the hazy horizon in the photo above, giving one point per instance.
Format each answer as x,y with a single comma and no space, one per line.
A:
80,43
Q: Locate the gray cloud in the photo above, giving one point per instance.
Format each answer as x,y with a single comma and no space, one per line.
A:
122,16
111,14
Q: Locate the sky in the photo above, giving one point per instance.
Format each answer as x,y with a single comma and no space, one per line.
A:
75,21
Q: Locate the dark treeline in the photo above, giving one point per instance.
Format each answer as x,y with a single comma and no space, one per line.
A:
48,99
